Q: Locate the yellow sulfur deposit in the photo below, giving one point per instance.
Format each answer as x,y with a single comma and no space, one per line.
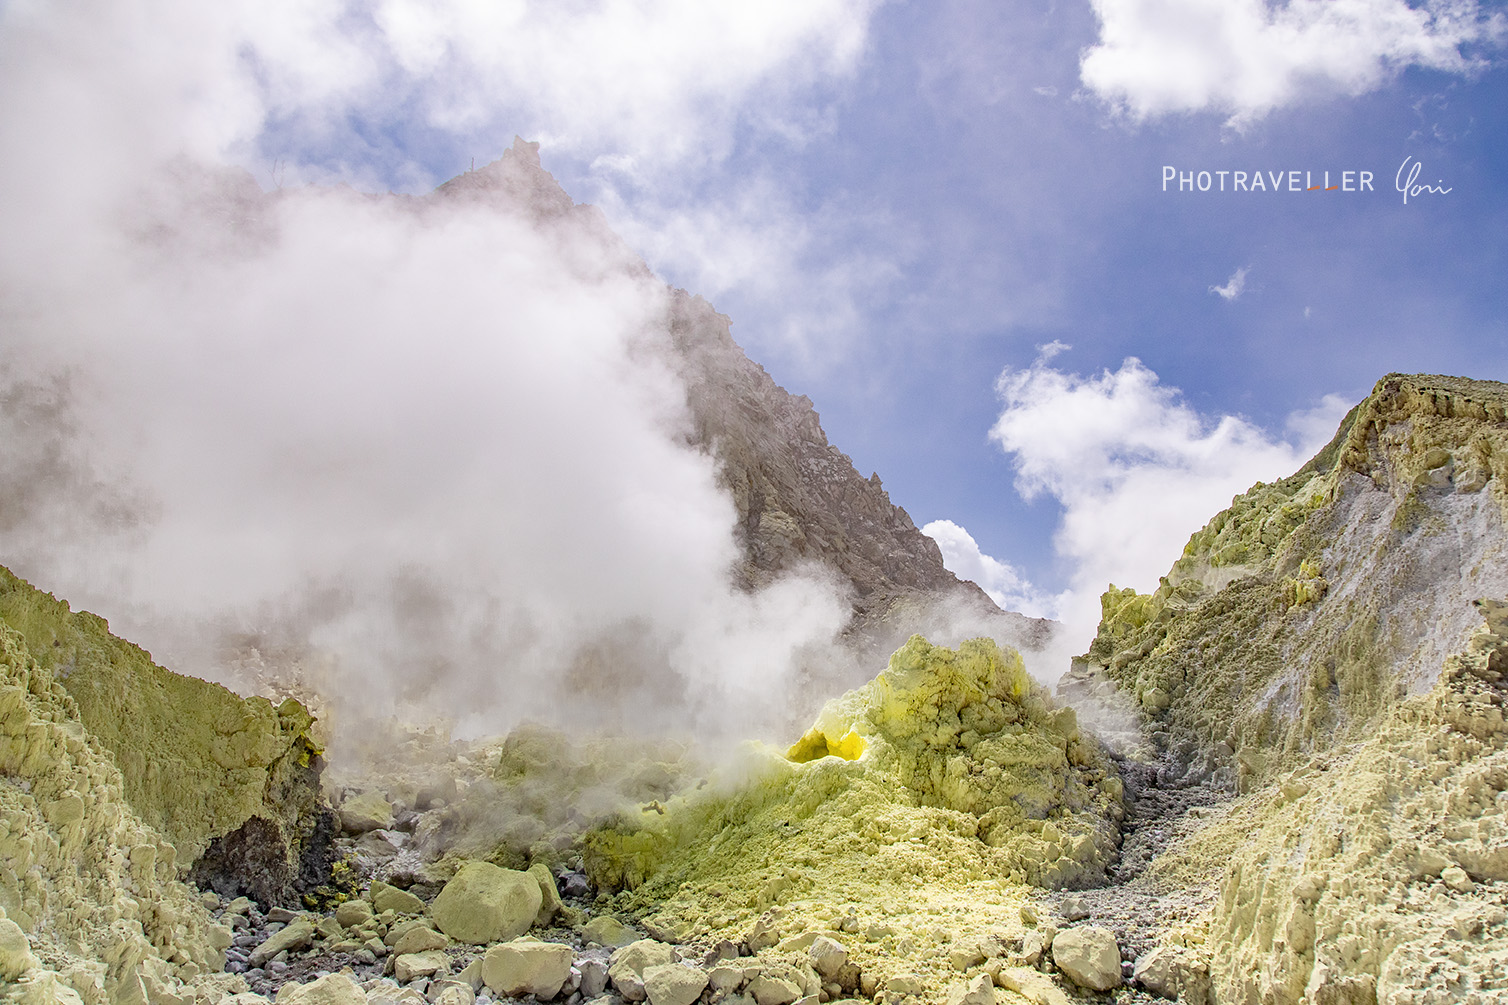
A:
1296,617
197,761
917,808
93,888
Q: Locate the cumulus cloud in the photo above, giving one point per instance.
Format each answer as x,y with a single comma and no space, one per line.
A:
441,447
1246,58
1135,468
1005,584
1234,286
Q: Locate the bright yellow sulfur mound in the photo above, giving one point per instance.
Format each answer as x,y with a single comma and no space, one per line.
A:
953,784
815,744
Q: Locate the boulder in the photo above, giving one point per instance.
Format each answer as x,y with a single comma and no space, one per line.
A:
674,984
979,991
365,811
418,939
15,951
769,990
390,898
550,905
331,989
1174,972
827,956
483,903
425,964
1089,956
527,967
626,969
593,977
351,913
297,934
606,930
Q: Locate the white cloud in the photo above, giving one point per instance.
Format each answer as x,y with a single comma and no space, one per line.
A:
1246,58
1234,286
1135,468
1005,584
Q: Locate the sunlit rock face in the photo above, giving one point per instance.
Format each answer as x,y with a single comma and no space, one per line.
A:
93,888
1296,617
231,782
1332,648
949,778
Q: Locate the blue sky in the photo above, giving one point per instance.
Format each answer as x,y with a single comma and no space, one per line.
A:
943,222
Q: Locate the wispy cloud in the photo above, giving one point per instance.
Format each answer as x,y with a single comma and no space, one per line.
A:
1234,286
1246,58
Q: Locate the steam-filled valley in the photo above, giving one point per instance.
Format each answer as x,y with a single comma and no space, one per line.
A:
499,630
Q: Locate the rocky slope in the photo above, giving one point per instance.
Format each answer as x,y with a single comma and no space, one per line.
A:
1303,612
799,499
1320,648
232,783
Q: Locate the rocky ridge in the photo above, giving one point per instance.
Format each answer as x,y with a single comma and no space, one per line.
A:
799,499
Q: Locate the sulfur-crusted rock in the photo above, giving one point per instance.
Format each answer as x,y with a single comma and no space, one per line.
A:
331,989
390,898
947,767
483,903
425,964
1089,956
550,904
15,952
92,890
527,967
365,811
627,966
606,930
231,783
674,984
978,991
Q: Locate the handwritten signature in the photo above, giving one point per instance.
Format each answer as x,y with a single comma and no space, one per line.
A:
1407,186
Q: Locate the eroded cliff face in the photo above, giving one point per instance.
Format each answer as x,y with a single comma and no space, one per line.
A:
1301,614
90,899
1320,648
230,783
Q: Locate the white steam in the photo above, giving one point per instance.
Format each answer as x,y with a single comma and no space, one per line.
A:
442,445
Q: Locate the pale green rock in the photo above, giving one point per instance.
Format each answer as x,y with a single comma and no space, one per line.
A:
483,903
298,934
365,811
419,939
606,930
550,904
627,966
425,964
15,951
351,913
527,967
390,898
332,989
674,984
